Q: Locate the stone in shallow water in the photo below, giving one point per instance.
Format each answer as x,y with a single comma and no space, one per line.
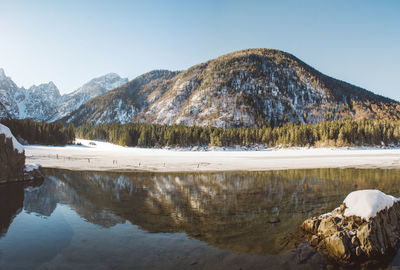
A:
349,238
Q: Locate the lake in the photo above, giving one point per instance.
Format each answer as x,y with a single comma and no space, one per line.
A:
233,220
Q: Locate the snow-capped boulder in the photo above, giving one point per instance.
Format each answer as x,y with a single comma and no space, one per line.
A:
12,156
365,226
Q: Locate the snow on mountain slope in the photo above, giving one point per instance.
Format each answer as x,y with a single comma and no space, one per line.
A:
98,86
3,112
8,90
40,101
249,87
246,88
44,102
123,103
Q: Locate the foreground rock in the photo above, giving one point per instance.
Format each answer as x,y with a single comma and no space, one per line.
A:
12,159
366,226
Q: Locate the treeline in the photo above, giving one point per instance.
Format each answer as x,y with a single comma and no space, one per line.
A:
40,132
345,132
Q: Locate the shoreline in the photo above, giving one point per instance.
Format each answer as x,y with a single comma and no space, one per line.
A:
108,157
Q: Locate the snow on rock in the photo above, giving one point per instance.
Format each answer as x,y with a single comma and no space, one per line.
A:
367,203
32,167
6,131
365,226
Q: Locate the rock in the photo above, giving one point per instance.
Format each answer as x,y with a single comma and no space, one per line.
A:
12,162
12,159
311,225
314,240
327,226
349,238
274,220
338,244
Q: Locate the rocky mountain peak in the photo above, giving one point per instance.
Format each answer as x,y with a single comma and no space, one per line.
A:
6,82
2,73
44,102
102,84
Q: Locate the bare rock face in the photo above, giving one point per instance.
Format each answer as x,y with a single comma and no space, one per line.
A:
351,238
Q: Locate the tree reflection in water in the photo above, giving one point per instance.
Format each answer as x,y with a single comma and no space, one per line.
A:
255,213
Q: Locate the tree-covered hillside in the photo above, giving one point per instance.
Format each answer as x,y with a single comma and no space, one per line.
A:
247,88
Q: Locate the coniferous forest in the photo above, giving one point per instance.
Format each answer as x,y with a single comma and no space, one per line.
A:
344,132
31,132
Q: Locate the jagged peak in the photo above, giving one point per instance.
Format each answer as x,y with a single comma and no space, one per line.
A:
2,73
50,84
49,88
108,76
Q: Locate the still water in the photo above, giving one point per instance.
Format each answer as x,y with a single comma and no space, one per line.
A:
233,220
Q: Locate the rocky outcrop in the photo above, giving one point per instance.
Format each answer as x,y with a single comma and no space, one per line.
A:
12,162
353,238
12,159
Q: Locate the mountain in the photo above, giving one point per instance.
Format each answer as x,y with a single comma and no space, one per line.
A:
95,87
38,102
241,89
126,101
8,91
44,102
3,112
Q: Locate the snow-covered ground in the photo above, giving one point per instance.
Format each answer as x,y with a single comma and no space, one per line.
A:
95,155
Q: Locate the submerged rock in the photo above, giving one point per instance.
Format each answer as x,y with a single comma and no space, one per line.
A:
348,238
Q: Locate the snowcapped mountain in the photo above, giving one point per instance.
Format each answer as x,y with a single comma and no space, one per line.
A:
241,89
44,102
3,112
37,102
124,102
8,89
71,102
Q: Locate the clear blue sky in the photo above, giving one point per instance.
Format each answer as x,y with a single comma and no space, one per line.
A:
70,42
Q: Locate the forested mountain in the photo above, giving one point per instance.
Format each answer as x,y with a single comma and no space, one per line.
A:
44,102
248,88
126,101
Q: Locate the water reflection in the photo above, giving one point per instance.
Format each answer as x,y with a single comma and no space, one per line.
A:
251,214
11,202
256,213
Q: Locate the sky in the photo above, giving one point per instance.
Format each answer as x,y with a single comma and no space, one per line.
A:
71,42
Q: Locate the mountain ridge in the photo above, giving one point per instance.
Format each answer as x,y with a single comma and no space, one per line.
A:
245,88
44,102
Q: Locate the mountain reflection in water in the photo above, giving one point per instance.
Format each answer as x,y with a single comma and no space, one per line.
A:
241,218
